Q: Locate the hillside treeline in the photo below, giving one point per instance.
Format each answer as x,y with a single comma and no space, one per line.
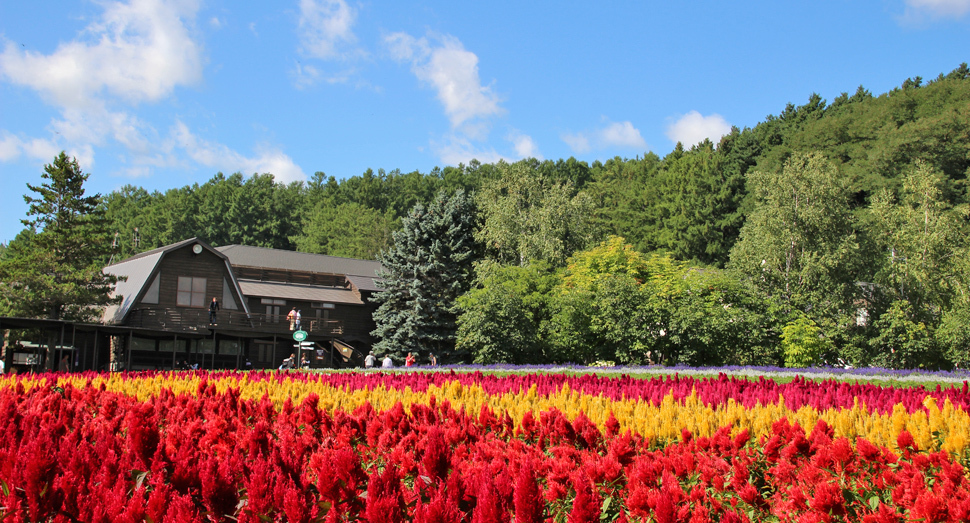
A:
831,232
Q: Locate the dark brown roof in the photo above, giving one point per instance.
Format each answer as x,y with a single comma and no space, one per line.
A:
295,291
246,256
169,248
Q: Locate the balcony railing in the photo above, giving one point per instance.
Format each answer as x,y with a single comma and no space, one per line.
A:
196,320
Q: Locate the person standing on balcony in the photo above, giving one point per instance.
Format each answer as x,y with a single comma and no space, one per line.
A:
213,309
298,318
291,317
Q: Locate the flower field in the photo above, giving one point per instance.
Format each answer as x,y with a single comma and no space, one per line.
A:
441,447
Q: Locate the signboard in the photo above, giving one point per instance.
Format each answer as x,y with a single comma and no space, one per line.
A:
299,335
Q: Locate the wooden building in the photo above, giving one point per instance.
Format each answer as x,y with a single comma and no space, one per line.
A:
166,293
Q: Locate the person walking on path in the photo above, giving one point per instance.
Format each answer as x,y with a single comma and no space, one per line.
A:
409,360
388,363
213,309
370,360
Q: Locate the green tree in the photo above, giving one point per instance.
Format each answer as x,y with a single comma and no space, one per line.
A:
803,343
423,274
922,239
504,317
953,335
799,245
719,320
902,343
262,213
614,304
625,193
55,271
527,217
698,210
349,229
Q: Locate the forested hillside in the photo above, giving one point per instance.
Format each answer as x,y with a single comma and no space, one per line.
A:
841,221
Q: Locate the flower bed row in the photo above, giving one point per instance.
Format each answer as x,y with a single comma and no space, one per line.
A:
655,409
292,447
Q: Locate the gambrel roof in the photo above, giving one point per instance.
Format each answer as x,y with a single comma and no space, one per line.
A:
136,273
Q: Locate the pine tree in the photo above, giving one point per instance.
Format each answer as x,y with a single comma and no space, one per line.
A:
426,270
54,269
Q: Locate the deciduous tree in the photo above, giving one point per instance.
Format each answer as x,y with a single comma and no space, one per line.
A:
527,217
800,243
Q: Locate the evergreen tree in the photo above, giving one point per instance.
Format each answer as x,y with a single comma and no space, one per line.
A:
427,269
55,271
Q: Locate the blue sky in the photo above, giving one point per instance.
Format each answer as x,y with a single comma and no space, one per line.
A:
166,93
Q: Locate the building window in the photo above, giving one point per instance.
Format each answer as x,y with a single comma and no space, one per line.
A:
321,305
191,292
265,352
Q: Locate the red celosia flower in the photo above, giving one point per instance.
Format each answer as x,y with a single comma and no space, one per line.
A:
527,500
385,503
586,505
435,461
905,441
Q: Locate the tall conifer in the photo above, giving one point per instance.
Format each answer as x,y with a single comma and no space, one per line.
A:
428,267
53,270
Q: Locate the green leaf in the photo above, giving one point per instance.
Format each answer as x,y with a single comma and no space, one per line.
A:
874,502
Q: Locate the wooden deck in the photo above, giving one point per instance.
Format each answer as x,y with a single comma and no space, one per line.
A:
197,320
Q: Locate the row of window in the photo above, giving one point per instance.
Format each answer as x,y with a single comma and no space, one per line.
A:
191,292
227,347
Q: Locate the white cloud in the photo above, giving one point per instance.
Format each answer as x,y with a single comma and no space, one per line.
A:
578,142
12,147
525,146
326,28
305,75
453,72
692,128
139,51
613,134
456,148
218,156
917,9
134,52
622,134
96,124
